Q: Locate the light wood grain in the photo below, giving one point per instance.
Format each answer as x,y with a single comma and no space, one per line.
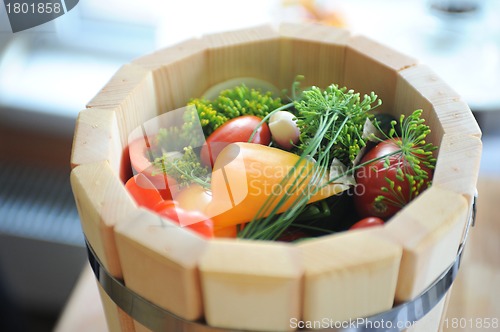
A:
97,139
457,167
244,53
180,72
131,93
474,294
349,275
159,261
315,51
244,280
251,285
418,87
371,66
429,230
172,54
103,203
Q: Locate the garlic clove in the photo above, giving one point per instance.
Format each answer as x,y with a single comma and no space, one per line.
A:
284,129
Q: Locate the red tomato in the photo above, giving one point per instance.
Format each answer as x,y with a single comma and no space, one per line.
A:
372,177
235,130
143,191
368,222
166,185
167,209
193,220
138,151
204,228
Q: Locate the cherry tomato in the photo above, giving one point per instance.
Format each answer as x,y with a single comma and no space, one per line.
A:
235,130
143,191
374,176
368,222
167,209
138,152
193,220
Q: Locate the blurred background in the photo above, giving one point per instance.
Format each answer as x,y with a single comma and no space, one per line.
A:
49,73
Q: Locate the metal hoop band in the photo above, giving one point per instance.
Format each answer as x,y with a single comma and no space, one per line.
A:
397,318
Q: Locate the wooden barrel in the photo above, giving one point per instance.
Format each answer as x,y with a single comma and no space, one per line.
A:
272,286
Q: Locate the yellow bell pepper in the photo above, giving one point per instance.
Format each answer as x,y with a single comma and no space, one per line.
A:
193,198
246,174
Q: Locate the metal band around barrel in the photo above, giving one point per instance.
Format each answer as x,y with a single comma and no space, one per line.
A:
396,319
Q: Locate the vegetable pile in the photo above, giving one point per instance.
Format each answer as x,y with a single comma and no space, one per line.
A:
324,161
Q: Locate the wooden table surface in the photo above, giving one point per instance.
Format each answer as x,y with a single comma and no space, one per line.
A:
474,301
476,291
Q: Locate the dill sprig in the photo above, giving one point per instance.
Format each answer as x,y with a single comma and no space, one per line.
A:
350,113
413,160
242,100
231,103
185,169
210,117
415,149
331,124
175,137
211,114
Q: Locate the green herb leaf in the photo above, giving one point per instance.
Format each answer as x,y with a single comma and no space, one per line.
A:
186,169
349,113
232,103
331,124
